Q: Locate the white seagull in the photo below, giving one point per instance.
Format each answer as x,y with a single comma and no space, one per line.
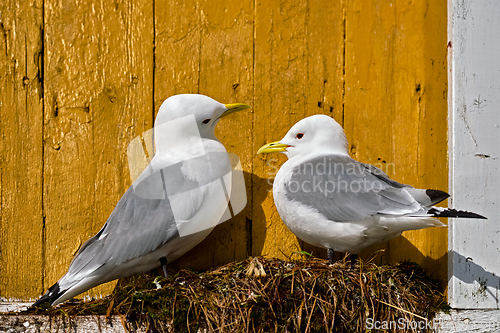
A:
330,200
173,205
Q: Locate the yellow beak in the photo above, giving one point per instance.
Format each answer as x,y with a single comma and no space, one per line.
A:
235,107
273,147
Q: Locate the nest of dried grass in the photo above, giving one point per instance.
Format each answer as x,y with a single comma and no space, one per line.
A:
269,295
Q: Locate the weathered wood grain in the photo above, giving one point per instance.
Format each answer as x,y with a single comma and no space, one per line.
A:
280,85
177,49
325,90
98,97
395,94
298,72
428,85
227,57
223,62
21,151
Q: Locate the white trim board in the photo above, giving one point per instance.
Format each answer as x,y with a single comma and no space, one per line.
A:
463,321
13,307
77,324
474,152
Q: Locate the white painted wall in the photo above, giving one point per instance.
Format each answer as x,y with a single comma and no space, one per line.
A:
474,152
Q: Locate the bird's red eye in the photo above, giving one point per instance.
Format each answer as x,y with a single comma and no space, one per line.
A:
206,121
299,135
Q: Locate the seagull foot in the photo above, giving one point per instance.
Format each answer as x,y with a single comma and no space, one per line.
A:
163,262
331,252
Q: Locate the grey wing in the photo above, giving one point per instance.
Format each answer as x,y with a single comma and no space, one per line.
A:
381,175
141,222
424,197
345,190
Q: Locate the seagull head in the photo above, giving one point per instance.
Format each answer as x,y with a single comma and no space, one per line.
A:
202,110
318,134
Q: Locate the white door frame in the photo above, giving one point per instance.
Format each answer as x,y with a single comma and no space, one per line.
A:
474,152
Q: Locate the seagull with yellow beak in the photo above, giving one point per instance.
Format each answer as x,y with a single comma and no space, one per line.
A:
330,200
173,205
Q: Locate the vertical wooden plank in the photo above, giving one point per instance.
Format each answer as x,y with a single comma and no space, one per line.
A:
124,106
298,72
177,71
325,90
369,79
177,49
325,58
98,65
280,85
369,99
21,151
226,74
69,167
394,90
430,101
216,38
474,153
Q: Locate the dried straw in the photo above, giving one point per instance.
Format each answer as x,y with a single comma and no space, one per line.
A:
269,295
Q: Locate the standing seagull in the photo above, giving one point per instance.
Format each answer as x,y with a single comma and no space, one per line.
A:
173,205
332,201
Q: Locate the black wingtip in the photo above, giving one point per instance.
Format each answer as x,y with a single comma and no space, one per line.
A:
455,213
436,196
49,298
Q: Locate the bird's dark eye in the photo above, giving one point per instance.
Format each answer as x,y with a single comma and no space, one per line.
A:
299,135
206,121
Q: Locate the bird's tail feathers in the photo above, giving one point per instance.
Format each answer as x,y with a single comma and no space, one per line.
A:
50,296
448,212
410,222
427,198
436,196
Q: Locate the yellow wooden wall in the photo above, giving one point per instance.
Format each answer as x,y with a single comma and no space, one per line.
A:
80,79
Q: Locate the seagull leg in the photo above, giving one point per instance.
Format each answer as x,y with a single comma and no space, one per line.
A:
330,255
163,262
354,257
